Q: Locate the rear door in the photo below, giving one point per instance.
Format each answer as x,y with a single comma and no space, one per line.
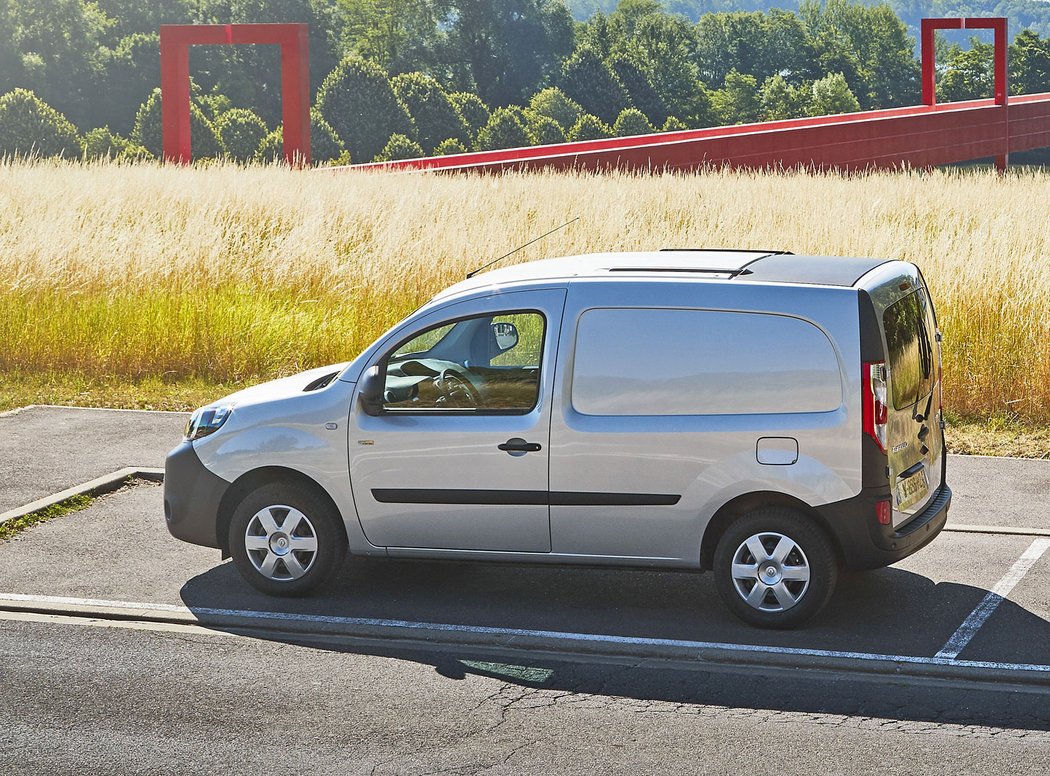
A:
914,437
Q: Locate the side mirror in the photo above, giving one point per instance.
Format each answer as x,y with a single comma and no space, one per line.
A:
370,389
505,336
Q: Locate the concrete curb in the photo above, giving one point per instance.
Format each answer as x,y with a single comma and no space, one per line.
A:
96,487
430,636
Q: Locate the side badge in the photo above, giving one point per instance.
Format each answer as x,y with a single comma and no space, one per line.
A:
366,441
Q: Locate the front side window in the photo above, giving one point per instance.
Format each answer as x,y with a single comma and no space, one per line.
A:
488,364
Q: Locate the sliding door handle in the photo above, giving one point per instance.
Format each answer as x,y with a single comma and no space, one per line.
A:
519,446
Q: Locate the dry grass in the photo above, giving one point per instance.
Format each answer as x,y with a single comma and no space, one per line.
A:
225,274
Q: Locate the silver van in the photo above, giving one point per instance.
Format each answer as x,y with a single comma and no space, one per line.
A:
770,417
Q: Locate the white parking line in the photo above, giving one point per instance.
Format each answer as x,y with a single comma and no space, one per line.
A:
83,607
979,616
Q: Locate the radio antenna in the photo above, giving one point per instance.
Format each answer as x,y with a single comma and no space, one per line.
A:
522,247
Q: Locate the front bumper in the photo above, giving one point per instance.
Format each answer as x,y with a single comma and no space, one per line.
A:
867,545
192,497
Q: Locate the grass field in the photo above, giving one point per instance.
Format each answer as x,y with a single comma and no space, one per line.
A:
179,277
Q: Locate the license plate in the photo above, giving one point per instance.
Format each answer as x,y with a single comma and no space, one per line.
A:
912,489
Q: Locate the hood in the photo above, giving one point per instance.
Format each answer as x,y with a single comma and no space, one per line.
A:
285,387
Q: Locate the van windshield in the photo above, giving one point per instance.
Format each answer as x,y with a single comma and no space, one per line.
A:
910,350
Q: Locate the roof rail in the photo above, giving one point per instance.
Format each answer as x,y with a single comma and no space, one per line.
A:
727,250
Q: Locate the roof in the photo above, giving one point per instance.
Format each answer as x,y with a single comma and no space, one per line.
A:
760,266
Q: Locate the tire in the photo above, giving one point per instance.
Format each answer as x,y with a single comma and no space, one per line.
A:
798,580
277,561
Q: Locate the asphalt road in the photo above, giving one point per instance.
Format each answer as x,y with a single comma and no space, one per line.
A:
82,695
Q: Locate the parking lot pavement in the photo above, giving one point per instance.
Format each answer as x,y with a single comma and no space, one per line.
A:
47,449
118,549
999,491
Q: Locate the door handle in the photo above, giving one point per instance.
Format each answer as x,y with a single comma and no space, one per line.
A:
519,446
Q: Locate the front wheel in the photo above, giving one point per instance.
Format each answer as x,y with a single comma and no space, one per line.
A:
285,540
775,568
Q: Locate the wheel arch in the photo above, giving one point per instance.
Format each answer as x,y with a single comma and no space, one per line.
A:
741,505
256,478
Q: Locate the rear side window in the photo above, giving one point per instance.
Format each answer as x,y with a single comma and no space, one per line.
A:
699,362
909,350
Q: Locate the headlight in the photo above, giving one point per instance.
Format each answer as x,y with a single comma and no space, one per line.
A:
207,420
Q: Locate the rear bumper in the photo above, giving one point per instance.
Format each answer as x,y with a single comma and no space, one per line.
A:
866,545
192,495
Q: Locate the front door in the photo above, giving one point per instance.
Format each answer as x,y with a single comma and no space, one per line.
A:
456,457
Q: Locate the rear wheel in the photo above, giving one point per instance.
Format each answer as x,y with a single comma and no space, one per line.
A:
775,568
285,540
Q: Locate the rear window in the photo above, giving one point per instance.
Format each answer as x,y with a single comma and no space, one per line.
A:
701,362
909,350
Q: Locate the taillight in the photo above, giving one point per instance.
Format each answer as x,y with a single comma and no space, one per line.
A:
882,512
873,401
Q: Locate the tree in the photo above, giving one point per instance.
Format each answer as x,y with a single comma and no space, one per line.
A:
472,109
100,143
588,127
435,117
399,35
543,130
325,145
780,100
553,103
505,49
205,143
356,99
503,130
592,83
832,95
673,124
240,131
632,122
449,146
31,127
639,88
129,73
664,48
738,101
400,147
967,73
1029,64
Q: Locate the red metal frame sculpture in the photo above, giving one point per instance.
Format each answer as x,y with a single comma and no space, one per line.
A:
175,42
929,72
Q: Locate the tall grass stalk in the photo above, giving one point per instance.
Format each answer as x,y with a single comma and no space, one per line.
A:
237,274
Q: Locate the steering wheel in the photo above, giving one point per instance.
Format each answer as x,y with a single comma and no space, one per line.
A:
456,390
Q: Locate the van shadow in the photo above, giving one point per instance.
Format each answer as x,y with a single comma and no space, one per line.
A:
889,611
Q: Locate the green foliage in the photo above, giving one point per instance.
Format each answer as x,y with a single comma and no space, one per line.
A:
831,95
205,143
356,99
129,73
400,147
553,103
780,100
449,146
588,80
100,143
673,124
325,145
639,88
240,131
543,130
475,112
505,49
738,101
588,127
632,122
31,127
503,130
435,117
968,75
1029,64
